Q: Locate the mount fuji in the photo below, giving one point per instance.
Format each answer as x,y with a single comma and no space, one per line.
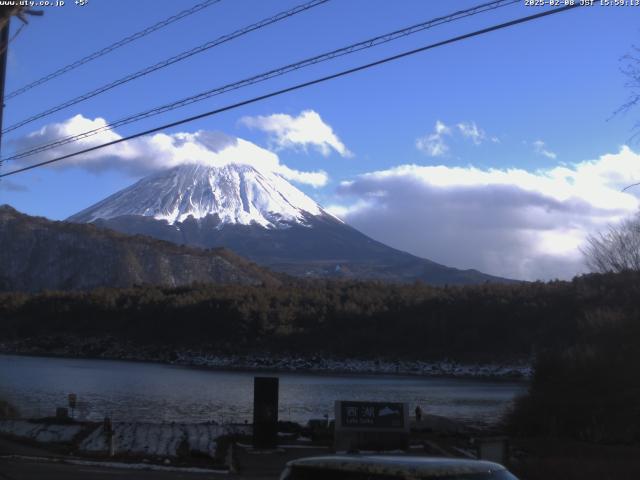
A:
235,194
261,216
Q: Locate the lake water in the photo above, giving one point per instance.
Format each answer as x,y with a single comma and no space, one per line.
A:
164,393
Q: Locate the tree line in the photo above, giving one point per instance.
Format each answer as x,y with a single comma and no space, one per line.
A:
367,319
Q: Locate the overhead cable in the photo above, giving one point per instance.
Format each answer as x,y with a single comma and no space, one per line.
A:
112,47
298,86
369,43
169,61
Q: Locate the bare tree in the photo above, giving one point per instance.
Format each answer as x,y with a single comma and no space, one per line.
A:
616,249
631,69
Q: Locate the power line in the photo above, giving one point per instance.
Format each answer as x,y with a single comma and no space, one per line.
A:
169,61
300,86
114,46
372,42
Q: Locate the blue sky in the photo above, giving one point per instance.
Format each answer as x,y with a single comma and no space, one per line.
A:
540,97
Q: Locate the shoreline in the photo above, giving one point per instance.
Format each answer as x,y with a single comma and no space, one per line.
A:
517,372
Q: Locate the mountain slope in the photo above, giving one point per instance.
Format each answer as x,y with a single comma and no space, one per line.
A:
260,216
39,254
323,248
236,194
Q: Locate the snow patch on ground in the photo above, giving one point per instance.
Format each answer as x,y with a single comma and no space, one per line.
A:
159,440
129,438
40,432
120,465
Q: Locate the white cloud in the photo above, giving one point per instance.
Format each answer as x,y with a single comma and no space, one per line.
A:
472,132
433,144
508,222
307,129
540,147
343,211
155,152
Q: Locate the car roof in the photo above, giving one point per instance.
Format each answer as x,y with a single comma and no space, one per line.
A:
421,467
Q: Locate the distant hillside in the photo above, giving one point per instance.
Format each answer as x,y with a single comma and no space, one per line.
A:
39,254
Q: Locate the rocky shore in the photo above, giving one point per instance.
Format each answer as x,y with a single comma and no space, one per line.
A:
316,364
102,348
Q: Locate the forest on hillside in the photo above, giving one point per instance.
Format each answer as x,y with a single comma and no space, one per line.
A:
365,319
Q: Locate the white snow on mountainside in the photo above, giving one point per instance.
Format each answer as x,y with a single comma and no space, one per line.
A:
237,193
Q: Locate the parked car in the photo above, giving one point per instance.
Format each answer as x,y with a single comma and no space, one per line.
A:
361,467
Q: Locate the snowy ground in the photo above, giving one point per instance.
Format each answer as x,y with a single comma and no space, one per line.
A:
130,439
159,440
40,432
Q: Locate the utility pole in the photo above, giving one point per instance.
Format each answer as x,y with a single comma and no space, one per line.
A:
6,13
4,46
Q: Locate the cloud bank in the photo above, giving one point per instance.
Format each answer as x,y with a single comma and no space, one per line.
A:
145,155
304,131
508,222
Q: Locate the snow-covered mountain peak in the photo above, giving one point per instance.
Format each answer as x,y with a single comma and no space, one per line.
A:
237,193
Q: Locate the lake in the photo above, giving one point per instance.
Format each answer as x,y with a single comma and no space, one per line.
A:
164,393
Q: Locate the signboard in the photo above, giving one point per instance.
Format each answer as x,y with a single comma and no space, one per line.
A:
371,426
376,415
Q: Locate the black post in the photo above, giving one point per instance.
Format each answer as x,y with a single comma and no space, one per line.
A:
265,412
4,42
